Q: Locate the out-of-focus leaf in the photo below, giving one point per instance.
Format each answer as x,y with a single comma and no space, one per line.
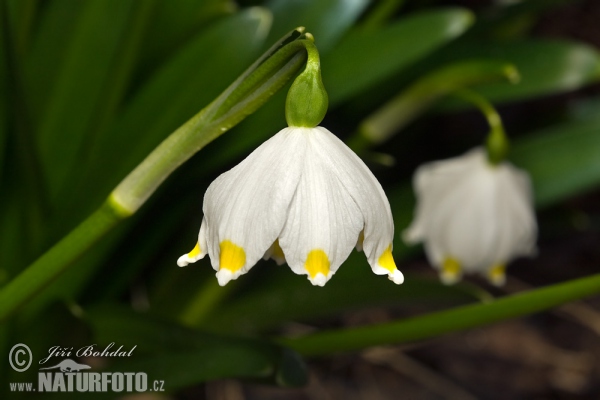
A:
182,357
512,19
563,160
545,66
83,83
176,21
368,57
177,91
327,20
57,24
69,285
22,14
3,96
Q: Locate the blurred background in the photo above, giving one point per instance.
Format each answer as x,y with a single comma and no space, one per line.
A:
89,88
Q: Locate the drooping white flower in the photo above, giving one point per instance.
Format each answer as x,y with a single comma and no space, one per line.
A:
302,197
473,216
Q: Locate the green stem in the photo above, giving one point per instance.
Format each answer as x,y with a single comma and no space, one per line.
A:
497,142
43,271
421,95
436,324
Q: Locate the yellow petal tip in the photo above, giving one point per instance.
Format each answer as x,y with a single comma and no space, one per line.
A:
386,260
191,257
497,275
317,265
233,257
451,271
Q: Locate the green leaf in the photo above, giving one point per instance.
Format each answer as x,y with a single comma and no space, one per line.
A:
367,57
182,357
563,160
174,23
84,78
4,99
327,20
545,66
57,25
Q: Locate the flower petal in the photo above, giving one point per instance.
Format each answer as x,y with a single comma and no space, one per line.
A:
245,208
324,222
276,253
368,195
432,182
199,251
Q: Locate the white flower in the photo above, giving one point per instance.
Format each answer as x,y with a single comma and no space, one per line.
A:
473,216
302,197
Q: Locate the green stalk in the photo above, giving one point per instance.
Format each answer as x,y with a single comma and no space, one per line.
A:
497,142
424,93
46,268
439,323
243,97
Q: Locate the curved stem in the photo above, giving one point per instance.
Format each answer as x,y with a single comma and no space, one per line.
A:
420,96
497,142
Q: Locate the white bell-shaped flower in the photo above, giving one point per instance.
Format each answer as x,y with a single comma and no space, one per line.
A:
473,216
302,197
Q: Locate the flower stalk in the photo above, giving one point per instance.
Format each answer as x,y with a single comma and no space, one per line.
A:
420,96
497,143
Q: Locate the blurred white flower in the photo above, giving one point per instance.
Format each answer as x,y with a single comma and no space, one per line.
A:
473,216
302,197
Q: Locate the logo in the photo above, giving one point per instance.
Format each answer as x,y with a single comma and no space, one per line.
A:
69,366
18,356
70,376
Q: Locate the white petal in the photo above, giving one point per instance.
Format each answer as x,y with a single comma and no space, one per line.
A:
519,204
478,215
276,253
433,181
368,195
199,251
246,207
324,222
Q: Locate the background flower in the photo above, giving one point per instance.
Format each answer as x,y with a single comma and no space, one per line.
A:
473,216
